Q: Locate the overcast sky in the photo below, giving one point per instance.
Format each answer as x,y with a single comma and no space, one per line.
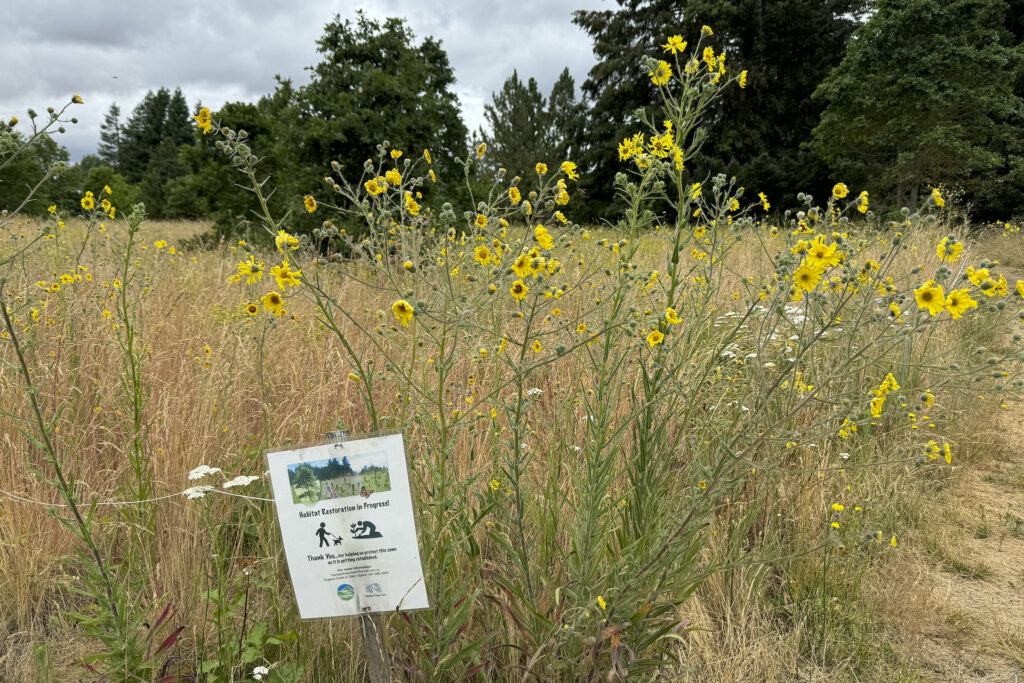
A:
110,51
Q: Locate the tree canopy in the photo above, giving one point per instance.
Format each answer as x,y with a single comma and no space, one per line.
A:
925,96
757,133
891,96
374,82
23,172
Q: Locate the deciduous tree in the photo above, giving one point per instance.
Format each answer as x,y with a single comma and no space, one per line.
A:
374,82
925,96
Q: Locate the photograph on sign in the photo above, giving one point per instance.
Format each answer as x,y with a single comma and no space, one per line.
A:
348,526
339,478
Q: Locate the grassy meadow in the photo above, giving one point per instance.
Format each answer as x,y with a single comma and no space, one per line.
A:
710,441
222,384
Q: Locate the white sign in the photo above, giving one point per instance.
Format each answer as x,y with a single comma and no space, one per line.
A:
346,517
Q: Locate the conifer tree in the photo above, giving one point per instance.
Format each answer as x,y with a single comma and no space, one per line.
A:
150,149
143,133
517,121
565,114
110,138
524,127
178,125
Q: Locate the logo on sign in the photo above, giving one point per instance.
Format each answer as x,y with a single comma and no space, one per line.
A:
346,592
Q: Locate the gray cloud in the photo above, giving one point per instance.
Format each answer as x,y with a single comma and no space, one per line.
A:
231,50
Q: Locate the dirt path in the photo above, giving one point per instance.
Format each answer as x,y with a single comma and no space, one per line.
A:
972,552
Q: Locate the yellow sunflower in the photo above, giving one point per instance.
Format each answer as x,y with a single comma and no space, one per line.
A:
930,297
403,310
958,301
518,290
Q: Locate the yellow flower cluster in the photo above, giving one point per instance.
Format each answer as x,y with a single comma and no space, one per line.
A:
203,120
888,384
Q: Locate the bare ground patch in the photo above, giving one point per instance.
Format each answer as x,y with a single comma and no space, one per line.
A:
969,560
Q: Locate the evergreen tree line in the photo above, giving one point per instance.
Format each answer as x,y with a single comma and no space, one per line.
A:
332,470
891,96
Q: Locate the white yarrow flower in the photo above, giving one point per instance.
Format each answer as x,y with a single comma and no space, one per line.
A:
202,471
259,672
242,480
197,492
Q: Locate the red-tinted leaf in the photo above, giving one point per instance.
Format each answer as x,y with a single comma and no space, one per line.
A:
170,640
469,674
163,617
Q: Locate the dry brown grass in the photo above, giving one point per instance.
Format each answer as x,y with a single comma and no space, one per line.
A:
209,409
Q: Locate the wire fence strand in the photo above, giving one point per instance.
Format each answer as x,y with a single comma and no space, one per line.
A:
185,492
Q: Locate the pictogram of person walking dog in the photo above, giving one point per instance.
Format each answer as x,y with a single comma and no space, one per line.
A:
361,529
